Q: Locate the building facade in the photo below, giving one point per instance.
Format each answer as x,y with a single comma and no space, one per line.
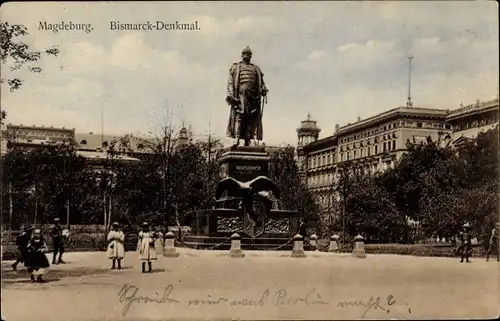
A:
376,143
33,136
468,121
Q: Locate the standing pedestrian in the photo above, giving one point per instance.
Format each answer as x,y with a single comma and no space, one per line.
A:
116,249
494,245
57,241
465,244
146,247
159,240
35,257
22,245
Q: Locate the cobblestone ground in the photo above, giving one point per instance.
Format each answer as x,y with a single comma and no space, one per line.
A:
262,285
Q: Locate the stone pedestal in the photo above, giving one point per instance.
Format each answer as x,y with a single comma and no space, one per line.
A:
359,247
169,249
298,246
313,241
244,163
235,250
334,243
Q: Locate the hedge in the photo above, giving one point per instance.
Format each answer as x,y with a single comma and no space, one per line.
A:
86,242
442,250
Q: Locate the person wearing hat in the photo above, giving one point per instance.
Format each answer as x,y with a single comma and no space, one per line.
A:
465,244
22,243
35,260
57,241
116,249
494,245
146,247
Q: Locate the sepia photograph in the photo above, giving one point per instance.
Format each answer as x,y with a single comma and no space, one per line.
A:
249,160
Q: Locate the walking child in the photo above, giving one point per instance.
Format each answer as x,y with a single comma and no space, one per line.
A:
22,245
35,259
146,247
116,249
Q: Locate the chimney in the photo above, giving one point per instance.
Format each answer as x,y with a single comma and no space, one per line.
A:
359,118
337,126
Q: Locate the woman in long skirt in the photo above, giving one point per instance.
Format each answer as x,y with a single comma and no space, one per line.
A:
35,259
146,247
116,249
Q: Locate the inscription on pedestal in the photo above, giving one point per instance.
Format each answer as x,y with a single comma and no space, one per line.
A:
244,163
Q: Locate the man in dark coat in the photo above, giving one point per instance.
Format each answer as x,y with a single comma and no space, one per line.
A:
57,241
22,245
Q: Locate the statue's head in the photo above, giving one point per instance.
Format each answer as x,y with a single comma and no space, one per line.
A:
246,54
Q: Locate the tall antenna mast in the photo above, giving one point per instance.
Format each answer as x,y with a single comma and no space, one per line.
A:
102,118
409,103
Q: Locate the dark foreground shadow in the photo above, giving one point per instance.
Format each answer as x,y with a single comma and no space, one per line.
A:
154,271
53,273
46,280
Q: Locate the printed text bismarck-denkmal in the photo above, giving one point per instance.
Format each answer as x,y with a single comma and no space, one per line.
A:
156,25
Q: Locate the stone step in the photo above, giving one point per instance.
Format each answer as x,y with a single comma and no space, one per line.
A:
244,240
245,247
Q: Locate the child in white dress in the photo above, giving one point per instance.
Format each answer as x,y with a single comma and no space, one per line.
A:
116,249
146,247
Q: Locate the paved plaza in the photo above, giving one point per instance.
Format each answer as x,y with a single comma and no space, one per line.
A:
262,285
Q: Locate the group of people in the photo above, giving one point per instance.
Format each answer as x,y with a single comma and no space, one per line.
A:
465,246
148,244
32,248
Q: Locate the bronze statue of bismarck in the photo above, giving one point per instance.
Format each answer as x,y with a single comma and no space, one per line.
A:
245,90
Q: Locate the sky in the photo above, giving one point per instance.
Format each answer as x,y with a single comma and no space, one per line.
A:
335,60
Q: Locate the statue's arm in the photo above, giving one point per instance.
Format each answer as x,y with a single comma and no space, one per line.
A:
264,89
230,83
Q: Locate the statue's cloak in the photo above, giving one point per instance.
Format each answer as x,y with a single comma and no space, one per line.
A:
233,92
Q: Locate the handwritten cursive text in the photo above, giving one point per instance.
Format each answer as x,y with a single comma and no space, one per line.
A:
128,295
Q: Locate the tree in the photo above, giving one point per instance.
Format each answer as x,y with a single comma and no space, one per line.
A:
16,180
295,195
17,54
367,207
57,180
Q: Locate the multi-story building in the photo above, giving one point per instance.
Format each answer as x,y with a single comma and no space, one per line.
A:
92,146
32,136
468,121
376,143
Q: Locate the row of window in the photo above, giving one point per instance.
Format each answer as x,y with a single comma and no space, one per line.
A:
323,159
476,123
367,151
386,127
368,142
329,159
327,179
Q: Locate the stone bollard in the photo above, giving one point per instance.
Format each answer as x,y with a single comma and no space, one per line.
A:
359,247
298,246
169,250
313,241
235,250
334,243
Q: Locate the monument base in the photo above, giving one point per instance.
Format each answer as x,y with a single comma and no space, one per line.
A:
244,163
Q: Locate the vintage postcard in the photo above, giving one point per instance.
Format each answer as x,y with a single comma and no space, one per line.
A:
249,160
